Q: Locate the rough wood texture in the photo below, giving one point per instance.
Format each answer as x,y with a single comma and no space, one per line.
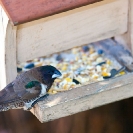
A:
20,11
73,28
123,56
112,118
7,50
127,38
84,98
131,22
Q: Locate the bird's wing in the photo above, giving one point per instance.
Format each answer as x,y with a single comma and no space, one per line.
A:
8,94
31,91
17,90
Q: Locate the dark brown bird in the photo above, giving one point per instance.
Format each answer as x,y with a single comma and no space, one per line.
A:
28,88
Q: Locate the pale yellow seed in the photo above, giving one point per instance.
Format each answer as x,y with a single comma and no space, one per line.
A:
54,92
93,56
68,79
95,76
105,74
104,69
65,75
37,64
35,60
91,50
108,62
73,86
50,91
74,67
77,58
74,50
90,67
59,65
66,86
84,57
99,59
57,80
122,73
64,68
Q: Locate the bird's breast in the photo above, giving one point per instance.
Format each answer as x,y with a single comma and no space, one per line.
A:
43,90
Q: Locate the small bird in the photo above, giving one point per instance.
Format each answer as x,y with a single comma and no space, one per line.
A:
28,88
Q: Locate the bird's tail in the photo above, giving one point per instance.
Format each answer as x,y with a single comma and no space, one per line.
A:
11,105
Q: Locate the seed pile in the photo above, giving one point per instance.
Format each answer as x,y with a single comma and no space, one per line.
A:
79,66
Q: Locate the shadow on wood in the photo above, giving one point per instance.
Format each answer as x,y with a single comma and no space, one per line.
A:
113,118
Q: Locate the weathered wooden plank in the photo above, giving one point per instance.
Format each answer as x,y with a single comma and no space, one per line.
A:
7,50
84,98
118,51
127,38
73,28
131,23
32,9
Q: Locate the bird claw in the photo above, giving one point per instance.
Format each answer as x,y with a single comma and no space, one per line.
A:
39,99
29,108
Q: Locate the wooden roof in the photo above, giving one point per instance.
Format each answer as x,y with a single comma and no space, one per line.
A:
21,11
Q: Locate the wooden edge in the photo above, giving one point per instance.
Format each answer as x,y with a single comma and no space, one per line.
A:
8,69
31,10
84,98
10,53
3,26
70,29
127,38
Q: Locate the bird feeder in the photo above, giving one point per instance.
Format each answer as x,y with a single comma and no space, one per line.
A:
31,29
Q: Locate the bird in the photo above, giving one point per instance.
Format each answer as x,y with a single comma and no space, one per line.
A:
28,88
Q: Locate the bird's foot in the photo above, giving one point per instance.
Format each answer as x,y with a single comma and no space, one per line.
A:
27,106
29,109
39,99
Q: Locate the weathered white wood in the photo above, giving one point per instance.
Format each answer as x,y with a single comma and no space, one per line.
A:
131,22
10,54
72,28
84,98
8,70
127,38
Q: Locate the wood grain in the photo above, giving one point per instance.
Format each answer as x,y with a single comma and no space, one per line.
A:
84,98
7,50
112,118
70,29
21,11
127,38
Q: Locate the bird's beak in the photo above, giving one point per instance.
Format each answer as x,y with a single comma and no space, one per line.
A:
56,74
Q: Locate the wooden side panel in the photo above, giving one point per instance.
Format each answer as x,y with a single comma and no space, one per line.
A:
21,11
2,47
8,69
131,21
73,28
127,38
10,53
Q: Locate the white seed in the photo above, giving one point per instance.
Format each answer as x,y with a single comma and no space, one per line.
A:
99,59
90,67
98,68
93,56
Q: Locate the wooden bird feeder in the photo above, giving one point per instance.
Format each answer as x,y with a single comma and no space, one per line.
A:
31,29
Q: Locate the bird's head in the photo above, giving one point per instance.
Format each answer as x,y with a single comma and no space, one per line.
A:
50,73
